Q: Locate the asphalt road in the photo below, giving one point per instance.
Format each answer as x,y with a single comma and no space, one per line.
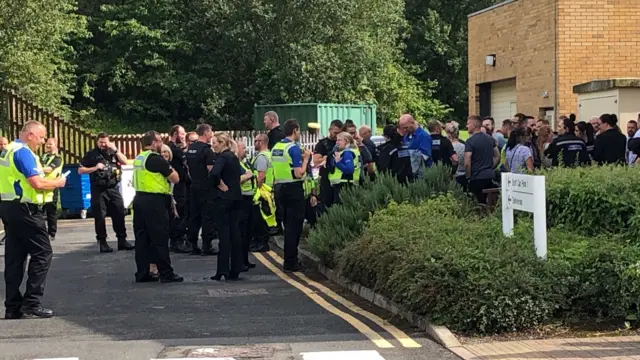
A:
102,314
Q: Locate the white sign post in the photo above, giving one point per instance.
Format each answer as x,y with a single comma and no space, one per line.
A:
526,193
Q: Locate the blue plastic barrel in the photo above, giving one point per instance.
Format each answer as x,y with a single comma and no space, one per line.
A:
75,197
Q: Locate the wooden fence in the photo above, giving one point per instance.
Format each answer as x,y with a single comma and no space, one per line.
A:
74,141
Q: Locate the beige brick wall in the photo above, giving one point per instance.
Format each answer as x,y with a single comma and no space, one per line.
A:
597,39
522,36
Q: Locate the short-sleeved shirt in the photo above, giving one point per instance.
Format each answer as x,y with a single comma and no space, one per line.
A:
199,156
516,158
441,149
26,164
481,146
95,156
275,135
179,161
459,149
55,163
261,163
296,154
157,164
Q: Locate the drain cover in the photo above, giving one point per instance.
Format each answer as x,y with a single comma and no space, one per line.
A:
246,352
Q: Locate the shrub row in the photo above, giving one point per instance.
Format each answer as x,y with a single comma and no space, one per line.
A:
594,200
460,271
344,223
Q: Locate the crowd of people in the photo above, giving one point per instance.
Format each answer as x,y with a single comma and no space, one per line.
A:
202,185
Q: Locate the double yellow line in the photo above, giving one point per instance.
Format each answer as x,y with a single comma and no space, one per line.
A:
363,328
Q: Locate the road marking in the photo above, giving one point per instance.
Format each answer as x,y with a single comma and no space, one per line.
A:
378,340
403,338
199,358
343,355
73,358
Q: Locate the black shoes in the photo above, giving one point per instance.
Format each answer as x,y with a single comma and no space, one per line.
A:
52,238
260,248
173,278
292,267
13,315
149,278
125,245
226,276
122,245
37,313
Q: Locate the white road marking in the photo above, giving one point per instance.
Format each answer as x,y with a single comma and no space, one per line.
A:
74,358
199,358
342,355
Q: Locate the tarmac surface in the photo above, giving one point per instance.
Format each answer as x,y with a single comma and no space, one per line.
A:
102,314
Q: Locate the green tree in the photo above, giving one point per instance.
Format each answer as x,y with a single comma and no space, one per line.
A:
437,46
36,59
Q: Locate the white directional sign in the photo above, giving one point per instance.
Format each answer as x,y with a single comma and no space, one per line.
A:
526,193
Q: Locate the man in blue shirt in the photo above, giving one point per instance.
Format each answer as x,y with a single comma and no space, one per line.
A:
418,142
26,228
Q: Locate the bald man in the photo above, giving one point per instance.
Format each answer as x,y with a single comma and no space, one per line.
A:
418,142
22,184
262,165
52,168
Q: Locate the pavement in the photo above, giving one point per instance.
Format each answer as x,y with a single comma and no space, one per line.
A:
102,314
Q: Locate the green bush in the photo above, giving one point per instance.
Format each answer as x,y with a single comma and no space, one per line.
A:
441,260
580,199
344,223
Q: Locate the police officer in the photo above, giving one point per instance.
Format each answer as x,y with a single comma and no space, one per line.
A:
263,169
200,159
322,152
394,157
178,234
22,185
3,144
290,164
104,166
248,187
52,163
345,165
567,149
152,209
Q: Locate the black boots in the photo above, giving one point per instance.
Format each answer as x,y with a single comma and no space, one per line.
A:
123,244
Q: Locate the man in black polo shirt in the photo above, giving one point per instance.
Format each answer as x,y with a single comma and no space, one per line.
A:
442,151
104,166
200,159
272,123
178,233
323,151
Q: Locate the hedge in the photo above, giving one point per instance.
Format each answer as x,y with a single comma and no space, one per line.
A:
594,200
459,270
344,223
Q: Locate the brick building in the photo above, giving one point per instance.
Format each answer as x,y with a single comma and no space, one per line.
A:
527,55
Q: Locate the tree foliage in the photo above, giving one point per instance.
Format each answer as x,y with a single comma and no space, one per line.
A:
149,63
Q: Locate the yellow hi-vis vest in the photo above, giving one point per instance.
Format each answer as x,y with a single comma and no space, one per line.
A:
48,194
268,180
9,176
147,181
337,177
283,170
263,198
249,186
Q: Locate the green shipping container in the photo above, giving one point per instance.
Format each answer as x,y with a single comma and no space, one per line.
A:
322,114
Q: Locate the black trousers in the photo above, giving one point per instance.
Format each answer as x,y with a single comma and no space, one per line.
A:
151,226
246,225
260,236
51,211
200,217
336,191
311,213
291,198
277,188
26,236
326,196
227,221
476,186
108,202
179,225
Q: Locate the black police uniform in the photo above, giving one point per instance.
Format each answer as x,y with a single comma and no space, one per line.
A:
441,150
199,155
394,158
51,208
106,198
325,147
570,148
178,233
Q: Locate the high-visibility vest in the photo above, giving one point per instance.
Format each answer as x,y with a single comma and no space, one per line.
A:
337,177
269,173
10,175
249,186
309,184
48,194
283,170
147,181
